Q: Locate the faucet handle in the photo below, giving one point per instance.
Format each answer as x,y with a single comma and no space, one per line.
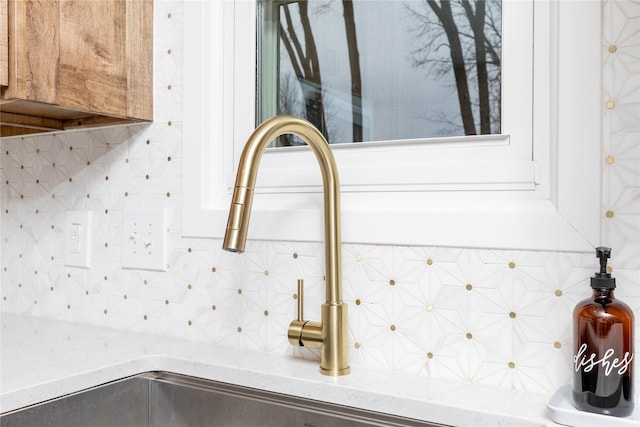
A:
300,300
295,327
302,332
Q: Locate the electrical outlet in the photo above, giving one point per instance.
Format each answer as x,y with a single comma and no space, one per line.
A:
77,241
144,239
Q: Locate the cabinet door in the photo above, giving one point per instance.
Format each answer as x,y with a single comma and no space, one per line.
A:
93,55
34,37
105,60
4,44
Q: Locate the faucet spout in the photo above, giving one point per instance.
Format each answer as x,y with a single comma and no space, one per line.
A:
331,333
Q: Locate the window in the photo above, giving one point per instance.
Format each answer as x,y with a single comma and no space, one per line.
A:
533,186
368,70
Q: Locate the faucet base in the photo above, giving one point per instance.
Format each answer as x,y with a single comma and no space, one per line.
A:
334,359
335,373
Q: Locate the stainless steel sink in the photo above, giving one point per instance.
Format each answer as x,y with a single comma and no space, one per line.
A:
163,399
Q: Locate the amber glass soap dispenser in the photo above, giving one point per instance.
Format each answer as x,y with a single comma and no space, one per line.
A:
603,348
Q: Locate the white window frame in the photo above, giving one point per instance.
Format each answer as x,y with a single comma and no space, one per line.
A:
536,187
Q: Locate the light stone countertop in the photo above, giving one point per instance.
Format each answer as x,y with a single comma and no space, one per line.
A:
42,359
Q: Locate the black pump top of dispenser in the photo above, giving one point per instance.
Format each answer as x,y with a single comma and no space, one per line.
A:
602,279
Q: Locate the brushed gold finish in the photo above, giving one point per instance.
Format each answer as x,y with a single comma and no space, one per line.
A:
302,332
331,333
300,299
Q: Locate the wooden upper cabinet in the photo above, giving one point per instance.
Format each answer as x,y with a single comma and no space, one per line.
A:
75,63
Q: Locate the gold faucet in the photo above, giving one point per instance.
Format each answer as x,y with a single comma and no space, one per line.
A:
330,334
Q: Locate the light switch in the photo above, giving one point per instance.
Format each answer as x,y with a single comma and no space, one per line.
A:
77,239
144,239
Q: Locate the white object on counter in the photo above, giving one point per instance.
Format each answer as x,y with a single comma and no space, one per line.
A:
563,412
42,359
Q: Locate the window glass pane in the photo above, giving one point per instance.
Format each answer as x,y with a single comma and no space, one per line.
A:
367,70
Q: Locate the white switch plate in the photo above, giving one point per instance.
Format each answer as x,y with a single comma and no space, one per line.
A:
144,239
77,239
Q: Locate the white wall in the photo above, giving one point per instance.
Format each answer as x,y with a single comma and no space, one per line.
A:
483,316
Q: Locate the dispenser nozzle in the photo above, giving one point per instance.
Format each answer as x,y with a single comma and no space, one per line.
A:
603,253
602,279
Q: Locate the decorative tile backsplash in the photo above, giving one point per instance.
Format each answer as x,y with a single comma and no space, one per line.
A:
490,317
